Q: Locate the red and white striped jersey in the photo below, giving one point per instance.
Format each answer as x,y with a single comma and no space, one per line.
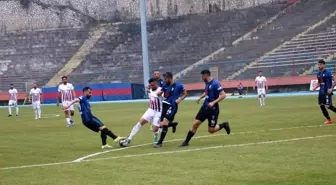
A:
36,94
155,101
261,82
66,91
13,94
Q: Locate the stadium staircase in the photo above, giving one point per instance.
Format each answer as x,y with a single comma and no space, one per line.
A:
289,50
213,55
79,56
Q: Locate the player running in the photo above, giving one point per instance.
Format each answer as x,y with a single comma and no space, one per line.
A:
66,93
213,94
35,98
326,82
261,84
91,121
12,101
153,112
174,94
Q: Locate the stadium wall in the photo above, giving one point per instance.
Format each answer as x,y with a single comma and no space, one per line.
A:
101,92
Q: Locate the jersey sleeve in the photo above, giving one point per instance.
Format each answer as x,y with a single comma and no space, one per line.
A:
219,87
40,91
72,87
59,88
182,89
31,92
16,91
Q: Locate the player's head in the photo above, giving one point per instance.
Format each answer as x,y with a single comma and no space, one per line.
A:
153,83
11,86
64,80
168,78
206,75
321,64
87,91
35,85
156,74
260,73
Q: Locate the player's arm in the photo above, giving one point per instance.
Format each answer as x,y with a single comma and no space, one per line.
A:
255,84
266,84
73,92
222,96
58,98
332,84
41,97
201,97
184,94
30,97
77,100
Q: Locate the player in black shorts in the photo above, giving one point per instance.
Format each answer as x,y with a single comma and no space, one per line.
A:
213,94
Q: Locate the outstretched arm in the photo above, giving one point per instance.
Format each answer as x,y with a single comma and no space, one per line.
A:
184,94
201,97
74,101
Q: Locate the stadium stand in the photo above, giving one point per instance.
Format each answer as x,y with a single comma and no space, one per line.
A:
286,26
34,55
173,43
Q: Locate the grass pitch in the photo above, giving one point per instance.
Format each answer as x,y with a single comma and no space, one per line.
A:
284,142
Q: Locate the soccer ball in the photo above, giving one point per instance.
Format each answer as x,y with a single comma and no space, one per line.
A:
123,143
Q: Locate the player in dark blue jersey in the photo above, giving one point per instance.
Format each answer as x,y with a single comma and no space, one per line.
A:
213,94
90,121
326,83
174,94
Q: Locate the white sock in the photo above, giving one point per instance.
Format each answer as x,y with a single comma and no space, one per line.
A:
260,100
10,110
68,121
17,110
156,134
135,130
39,113
35,111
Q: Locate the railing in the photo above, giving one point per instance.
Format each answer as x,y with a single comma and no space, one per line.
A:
274,67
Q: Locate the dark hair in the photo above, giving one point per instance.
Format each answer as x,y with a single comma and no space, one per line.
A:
260,71
86,89
11,84
156,70
206,71
151,80
321,61
168,75
64,77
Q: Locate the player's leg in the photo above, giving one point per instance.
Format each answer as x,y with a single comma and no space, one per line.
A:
156,128
9,108
35,110
39,112
146,117
67,118
213,127
136,129
72,113
200,118
17,108
322,101
167,116
173,124
192,132
330,104
263,97
259,97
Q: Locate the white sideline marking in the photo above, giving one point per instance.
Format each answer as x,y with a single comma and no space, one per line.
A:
197,137
171,152
213,147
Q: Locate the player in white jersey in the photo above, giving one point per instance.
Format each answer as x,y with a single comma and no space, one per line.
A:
153,112
261,84
12,101
66,92
35,98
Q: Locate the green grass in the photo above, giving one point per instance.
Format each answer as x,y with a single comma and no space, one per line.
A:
24,141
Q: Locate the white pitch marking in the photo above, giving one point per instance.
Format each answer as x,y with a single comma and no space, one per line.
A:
171,152
197,137
213,147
